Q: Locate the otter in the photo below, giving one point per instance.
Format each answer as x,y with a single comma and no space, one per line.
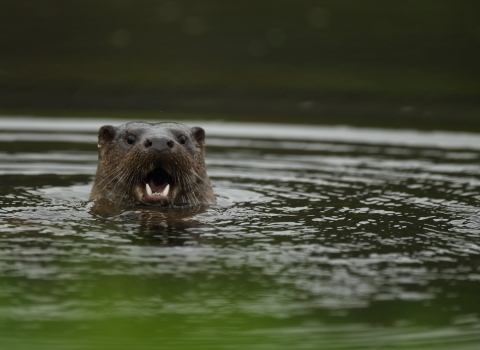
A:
152,163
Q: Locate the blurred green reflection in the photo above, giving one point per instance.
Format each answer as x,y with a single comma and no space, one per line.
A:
358,61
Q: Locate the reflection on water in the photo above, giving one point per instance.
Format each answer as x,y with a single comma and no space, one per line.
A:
322,237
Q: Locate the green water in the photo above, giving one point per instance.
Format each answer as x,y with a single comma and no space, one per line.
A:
322,238
412,63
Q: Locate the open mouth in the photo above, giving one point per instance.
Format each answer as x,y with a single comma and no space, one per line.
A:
158,184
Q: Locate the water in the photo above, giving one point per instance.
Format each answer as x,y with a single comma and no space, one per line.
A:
323,237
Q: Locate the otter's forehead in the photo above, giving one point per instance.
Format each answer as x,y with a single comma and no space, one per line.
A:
153,127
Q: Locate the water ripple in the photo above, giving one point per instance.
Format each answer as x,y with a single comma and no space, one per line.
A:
376,231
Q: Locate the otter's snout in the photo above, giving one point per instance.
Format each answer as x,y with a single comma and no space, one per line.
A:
158,143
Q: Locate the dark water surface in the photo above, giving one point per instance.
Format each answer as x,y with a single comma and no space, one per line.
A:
323,237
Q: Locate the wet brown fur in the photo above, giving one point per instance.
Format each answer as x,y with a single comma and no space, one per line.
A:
122,168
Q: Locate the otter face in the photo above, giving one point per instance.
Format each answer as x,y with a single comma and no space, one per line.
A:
159,163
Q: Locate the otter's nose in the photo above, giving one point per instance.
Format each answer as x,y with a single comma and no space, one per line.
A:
158,143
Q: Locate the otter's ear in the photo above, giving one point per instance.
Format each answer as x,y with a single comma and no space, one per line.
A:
199,135
106,134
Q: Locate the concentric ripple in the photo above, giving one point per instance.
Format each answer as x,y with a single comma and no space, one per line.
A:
323,237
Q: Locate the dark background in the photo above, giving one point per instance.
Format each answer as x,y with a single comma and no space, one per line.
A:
411,63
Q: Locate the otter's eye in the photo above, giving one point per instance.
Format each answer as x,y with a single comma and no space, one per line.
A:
131,139
182,139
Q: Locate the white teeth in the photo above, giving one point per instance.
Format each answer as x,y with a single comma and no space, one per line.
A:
149,190
163,194
165,191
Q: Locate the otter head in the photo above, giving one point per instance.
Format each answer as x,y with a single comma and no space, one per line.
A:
160,163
